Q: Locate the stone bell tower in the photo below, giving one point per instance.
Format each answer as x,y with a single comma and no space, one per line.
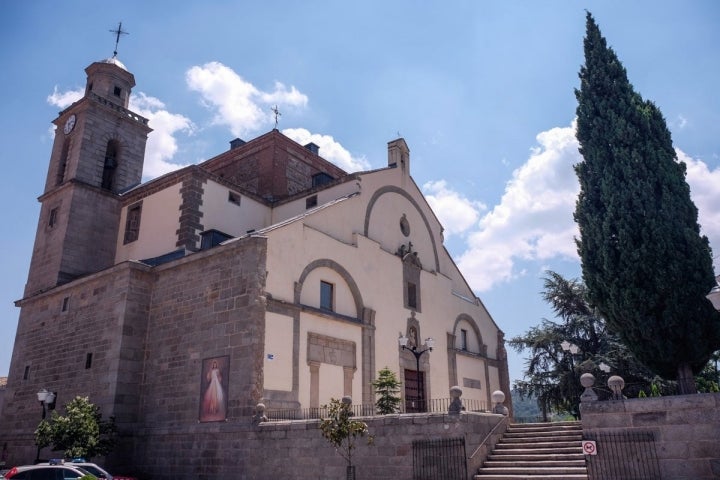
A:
97,154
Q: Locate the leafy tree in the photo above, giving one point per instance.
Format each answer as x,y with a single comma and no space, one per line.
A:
646,267
81,432
341,430
387,387
708,381
553,375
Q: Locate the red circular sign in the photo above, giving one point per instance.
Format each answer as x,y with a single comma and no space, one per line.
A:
588,447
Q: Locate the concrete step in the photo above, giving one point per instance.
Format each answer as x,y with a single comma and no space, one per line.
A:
544,438
535,463
527,433
481,476
539,445
535,471
538,457
545,451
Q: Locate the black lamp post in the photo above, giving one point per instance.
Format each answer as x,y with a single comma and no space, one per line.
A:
46,399
429,344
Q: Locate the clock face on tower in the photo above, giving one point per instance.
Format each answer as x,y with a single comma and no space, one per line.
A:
69,124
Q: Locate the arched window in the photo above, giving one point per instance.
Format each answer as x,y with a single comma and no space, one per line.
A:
62,165
111,162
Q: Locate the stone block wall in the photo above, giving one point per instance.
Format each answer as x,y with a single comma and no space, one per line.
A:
296,450
686,430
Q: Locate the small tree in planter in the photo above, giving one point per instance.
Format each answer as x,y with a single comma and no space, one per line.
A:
387,388
342,431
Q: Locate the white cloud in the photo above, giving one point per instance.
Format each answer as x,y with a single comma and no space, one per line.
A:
64,99
681,122
330,149
534,220
705,194
162,143
456,213
237,103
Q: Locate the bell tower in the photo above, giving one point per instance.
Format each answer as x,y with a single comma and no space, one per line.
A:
97,154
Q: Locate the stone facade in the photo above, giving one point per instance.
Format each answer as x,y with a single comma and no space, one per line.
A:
296,450
266,274
685,430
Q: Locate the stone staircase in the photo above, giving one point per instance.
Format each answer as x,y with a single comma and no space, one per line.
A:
537,451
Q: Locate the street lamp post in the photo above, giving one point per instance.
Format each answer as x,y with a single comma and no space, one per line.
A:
572,349
46,399
429,344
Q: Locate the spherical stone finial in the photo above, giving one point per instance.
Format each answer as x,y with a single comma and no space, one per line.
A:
587,380
616,381
498,396
347,400
616,384
259,416
456,405
456,392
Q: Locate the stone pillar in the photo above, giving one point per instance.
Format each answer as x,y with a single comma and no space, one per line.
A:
348,374
314,384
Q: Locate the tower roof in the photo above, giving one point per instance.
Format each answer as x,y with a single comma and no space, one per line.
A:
114,61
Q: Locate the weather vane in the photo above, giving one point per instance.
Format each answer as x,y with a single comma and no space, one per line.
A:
277,114
117,33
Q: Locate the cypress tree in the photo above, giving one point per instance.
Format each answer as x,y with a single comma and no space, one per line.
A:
644,262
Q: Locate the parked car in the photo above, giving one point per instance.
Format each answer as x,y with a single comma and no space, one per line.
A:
93,468
46,472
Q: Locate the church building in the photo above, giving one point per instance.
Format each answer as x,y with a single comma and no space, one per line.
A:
265,274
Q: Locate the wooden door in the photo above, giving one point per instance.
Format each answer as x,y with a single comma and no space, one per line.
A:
414,391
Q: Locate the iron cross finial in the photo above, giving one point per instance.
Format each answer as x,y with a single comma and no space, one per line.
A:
119,31
277,114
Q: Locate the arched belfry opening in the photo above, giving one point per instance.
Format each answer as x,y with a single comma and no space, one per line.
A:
62,164
110,165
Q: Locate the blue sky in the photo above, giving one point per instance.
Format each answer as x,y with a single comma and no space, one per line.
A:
482,91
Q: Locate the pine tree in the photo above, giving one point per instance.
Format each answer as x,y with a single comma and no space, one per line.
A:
387,388
644,262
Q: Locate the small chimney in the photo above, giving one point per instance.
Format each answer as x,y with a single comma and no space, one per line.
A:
236,143
313,148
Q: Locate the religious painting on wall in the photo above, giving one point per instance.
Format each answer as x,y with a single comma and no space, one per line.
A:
213,389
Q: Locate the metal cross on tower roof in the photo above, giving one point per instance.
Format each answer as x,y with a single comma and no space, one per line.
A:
119,31
277,114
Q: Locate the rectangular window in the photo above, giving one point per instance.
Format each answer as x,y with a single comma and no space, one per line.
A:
27,372
311,202
320,179
463,339
326,296
88,361
132,224
411,295
53,217
65,304
212,238
234,198
117,91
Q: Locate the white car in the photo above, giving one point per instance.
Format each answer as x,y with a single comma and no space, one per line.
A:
93,468
46,472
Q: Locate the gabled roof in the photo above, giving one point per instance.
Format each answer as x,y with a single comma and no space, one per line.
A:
272,166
